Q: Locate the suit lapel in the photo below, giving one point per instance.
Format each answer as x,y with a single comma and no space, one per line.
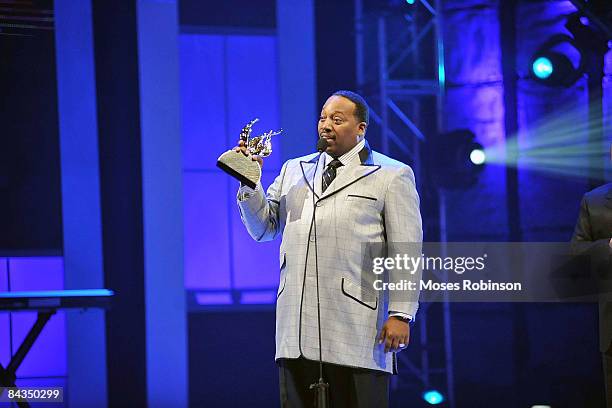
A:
353,173
308,172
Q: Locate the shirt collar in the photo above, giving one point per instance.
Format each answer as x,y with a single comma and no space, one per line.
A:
347,157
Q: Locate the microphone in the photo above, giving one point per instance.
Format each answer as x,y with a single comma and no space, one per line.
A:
322,144
321,388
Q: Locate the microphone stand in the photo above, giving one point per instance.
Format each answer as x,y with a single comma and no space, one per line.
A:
321,387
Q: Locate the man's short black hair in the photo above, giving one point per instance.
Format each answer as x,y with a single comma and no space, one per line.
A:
362,111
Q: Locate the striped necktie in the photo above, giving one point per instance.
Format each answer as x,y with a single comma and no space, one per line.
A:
330,173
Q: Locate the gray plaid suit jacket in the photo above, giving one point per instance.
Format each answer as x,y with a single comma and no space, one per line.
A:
374,201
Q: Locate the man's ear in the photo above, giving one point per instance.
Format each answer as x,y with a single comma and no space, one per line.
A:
362,128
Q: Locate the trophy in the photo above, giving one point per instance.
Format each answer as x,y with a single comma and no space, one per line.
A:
242,167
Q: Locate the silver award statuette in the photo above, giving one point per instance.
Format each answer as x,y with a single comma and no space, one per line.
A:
242,167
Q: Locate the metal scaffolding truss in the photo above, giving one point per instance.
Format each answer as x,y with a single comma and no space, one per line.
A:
395,38
405,84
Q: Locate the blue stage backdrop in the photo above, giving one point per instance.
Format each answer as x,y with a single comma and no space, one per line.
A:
226,80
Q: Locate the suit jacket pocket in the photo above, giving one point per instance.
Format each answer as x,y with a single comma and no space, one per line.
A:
362,198
283,275
360,295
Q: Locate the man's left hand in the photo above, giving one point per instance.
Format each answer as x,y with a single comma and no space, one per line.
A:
395,334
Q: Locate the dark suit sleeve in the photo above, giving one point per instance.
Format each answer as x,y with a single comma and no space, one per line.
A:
583,242
590,253
582,231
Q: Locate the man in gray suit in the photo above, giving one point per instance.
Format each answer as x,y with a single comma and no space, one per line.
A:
326,207
593,237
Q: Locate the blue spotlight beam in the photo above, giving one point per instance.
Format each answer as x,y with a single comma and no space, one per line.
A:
570,142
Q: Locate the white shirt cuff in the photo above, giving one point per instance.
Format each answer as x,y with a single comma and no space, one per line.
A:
404,316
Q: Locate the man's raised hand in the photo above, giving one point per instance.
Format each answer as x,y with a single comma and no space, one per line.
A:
241,148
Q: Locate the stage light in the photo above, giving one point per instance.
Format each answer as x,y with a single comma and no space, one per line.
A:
558,62
410,1
455,159
542,67
478,156
433,397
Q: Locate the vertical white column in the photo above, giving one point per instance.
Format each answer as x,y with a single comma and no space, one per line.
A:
166,319
76,90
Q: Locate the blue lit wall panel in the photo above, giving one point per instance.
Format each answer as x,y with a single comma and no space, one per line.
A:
48,355
225,82
480,109
255,263
43,273
252,87
259,297
471,42
224,298
479,212
207,245
202,81
5,341
475,101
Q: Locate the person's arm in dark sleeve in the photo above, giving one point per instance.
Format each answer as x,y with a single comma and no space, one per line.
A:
583,242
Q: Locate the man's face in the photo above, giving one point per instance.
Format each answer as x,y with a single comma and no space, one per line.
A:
339,125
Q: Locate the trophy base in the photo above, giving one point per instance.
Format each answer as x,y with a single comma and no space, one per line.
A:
241,167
